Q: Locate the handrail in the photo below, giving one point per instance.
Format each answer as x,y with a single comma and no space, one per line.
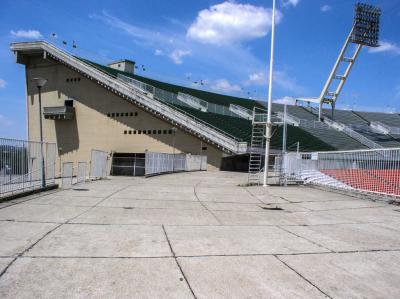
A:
124,89
177,108
353,134
289,118
193,101
241,111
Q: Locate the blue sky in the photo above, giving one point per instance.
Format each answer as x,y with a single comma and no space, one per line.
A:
223,43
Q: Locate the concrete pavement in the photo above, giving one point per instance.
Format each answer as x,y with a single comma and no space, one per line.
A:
197,235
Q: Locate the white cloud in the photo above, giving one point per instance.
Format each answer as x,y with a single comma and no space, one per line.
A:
231,22
4,121
223,85
285,100
32,34
257,78
325,8
177,55
281,79
158,52
287,3
3,83
386,46
230,61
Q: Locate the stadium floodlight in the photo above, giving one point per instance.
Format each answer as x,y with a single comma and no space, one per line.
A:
40,82
366,25
364,32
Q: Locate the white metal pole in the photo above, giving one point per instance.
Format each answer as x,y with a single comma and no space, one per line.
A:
269,124
284,130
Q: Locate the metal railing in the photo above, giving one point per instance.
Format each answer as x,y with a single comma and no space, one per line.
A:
373,171
21,165
171,99
193,101
385,129
290,119
241,111
353,134
130,93
160,163
183,99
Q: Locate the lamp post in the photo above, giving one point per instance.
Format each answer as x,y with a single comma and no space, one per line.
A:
40,82
269,124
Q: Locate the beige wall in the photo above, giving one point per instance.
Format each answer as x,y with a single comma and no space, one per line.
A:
92,128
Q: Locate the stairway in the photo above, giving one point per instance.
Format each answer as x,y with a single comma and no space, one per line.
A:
256,153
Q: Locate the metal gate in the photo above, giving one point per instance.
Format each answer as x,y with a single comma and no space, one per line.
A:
98,166
128,164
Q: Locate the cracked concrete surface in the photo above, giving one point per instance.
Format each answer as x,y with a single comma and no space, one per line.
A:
198,235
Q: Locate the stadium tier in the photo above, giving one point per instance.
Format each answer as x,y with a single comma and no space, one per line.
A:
389,119
311,134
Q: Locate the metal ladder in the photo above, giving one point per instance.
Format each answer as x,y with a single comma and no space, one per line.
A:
256,153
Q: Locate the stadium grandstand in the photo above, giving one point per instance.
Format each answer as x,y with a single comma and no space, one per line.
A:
88,105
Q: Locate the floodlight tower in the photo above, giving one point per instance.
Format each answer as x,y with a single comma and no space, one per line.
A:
365,32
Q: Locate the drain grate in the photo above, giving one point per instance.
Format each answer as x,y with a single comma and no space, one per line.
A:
80,189
128,208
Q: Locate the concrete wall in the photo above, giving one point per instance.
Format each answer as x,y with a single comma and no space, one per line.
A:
92,128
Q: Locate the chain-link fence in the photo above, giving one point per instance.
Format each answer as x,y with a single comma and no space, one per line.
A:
21,165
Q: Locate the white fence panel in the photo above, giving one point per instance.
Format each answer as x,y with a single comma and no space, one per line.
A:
81,173
196,162
66,176
158,163
98,166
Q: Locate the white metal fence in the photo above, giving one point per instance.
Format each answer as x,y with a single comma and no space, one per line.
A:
98,164
71,175
67,175
21,165
158,163
375,170
196,162
81,172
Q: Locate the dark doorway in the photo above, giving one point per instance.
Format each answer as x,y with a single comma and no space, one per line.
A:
239,163
128,164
